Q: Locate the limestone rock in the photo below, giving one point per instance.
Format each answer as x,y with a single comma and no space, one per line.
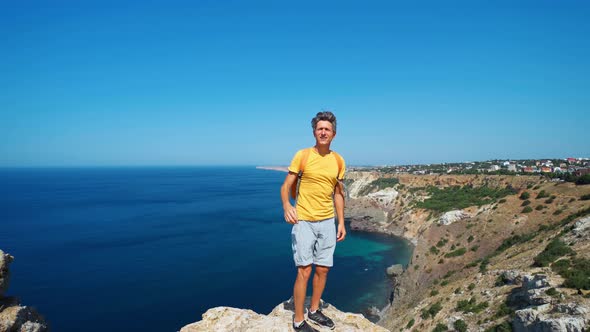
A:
279,320
535,281
537,319
452,216
22,319
582,226
511,277
5,259
14,317
395,270
384,197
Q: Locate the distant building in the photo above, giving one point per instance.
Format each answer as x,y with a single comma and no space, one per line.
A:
571,160
512,168
528,169
506,163
557,170
494,168
582,171
546,169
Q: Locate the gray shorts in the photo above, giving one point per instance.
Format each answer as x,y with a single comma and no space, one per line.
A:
314,242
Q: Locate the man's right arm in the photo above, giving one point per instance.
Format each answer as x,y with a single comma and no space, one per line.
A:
290,210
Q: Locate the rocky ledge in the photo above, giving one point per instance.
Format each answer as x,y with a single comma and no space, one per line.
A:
280,319
13,316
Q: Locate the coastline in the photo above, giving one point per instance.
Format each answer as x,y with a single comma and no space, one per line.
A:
274,168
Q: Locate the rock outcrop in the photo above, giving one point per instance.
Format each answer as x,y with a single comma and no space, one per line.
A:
279,320
14,317
452,216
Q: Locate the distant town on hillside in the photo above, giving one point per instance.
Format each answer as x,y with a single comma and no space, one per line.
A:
559,169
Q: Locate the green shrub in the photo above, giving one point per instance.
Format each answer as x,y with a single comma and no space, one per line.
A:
501,281
539,207
471,306
444,283
527,209
551,291
434,250
483,265
525,203
585,197
576,272
470,238
503,310
434,309
557,212
542,194
424,314
503,327
455,253
433,292
440,327
450,198
474,248
584,179
525,195
503,200
471,286
410,323
515,239
441,243
555,249
460,325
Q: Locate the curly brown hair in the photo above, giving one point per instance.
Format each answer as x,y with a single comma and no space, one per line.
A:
324,116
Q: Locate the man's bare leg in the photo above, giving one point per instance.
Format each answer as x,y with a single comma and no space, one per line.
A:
299,291
319,283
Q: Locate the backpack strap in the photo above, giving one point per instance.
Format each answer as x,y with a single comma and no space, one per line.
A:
339,177
295,188
340,162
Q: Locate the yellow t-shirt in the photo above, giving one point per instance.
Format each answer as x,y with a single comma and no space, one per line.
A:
315,201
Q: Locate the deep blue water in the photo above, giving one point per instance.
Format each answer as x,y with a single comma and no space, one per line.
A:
151,249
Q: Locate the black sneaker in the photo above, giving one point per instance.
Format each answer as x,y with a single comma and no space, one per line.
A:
319,318
304,327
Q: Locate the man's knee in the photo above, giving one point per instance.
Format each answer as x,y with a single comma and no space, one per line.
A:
303,272
322,270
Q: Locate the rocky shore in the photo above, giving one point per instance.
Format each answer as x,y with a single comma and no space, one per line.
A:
14,316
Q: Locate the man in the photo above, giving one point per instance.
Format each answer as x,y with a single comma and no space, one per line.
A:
314,234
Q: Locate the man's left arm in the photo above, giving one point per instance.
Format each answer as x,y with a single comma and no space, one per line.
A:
339,205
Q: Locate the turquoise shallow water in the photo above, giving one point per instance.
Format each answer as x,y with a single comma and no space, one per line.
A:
151,249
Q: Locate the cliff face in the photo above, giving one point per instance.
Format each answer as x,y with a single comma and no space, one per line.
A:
454,271
13,316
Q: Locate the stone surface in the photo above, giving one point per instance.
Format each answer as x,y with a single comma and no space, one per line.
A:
5,259
511,277
582,226
453,216
279,320
395,270
14,317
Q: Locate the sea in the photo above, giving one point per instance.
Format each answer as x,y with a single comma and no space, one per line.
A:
153,248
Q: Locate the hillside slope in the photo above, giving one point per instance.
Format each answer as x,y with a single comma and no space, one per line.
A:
457,224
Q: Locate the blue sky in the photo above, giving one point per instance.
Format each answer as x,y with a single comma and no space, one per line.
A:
237,82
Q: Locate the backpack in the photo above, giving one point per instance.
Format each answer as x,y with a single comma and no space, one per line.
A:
303,162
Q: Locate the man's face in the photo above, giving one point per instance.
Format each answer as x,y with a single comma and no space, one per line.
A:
323,133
